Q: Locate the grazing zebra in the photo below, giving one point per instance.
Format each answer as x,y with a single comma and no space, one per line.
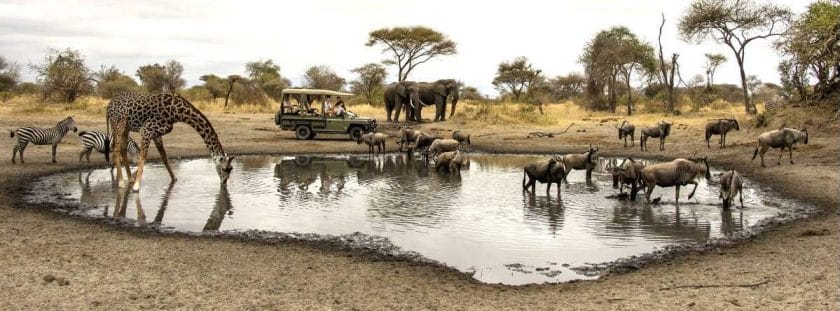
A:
93,140
42,136
773,104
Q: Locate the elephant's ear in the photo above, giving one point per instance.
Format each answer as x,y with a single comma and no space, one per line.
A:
402,89
440,89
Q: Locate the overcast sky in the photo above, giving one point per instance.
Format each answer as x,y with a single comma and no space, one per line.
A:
221,36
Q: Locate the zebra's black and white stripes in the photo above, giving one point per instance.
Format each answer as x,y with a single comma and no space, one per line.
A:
93,140
41,136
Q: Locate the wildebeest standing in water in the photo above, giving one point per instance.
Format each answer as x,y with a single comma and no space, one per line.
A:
549,171
677,173
720,127
730,184
784,138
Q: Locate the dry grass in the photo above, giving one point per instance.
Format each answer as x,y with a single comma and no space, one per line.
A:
470,113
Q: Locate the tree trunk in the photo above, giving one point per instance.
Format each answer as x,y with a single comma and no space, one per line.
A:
749,106
230,89
629,97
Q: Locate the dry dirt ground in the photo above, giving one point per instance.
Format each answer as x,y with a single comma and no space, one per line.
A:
113,268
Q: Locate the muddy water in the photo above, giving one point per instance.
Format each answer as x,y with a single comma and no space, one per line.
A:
480,222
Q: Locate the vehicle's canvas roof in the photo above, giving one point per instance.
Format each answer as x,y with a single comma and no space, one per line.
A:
315,92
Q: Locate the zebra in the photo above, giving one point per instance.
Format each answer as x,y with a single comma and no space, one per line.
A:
41,136
93,140
773,104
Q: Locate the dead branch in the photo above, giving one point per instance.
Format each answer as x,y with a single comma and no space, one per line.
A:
549,134
716,285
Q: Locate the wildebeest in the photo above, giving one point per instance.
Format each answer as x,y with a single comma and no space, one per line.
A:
720,127
407,137
784,138
627,129
452,160
461,137
628,173
423,141
442,145
548,171
661,130
730,184
677,173
373,139
581,161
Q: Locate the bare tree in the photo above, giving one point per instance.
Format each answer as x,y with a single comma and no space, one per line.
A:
231,80
734,23
668,69
411,46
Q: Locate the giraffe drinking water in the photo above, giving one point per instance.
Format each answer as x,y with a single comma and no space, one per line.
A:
153,115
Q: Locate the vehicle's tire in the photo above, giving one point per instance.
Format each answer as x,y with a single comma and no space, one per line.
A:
356,132
312,136
303,132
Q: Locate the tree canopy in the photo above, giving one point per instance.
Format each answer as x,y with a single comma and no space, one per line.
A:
369,82
712,62
323,77
411,46
9,75
515,77
111,82
613,52
63,75
162,78
266,75
734,23
812,49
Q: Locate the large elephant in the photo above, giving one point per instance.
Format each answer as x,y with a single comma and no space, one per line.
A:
436,93
399,94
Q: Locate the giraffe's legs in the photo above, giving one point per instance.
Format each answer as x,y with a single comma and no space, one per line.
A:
159,145
141,161
120,154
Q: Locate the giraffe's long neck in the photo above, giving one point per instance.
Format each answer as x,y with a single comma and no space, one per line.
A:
199,122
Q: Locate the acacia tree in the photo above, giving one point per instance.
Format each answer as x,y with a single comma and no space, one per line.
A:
734,23
568,86
266,75
411,46
110,82
812,48
712,62
231,81
613,52
369,82
215,85
9,75
63,74
162,78
515,77
323,77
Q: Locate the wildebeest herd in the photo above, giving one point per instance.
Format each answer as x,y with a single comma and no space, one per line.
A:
450,154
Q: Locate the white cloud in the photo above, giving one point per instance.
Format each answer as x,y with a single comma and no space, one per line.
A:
220,36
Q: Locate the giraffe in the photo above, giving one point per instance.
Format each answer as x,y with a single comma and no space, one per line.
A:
153,116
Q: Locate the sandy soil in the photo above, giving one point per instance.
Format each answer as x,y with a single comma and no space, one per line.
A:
100,266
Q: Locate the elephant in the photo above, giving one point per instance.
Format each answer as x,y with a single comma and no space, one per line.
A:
436,93
399,95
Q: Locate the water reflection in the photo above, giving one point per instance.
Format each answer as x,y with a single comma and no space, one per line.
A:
164,203
728,223
220,209
546,210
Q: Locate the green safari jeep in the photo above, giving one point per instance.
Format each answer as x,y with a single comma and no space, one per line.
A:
312,111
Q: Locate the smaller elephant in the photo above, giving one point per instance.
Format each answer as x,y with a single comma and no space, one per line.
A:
462,138
549,171
373,139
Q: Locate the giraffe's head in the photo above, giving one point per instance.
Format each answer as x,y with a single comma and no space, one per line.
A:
223,167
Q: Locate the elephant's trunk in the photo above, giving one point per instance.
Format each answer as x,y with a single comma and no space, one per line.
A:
454,103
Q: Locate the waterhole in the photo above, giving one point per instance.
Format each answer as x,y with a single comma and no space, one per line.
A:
479,222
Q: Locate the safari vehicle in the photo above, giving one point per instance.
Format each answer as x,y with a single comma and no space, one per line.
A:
305,111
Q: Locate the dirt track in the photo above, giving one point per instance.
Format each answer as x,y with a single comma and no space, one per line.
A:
112,268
